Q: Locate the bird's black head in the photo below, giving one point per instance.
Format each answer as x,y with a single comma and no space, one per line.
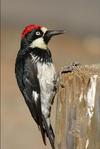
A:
35,36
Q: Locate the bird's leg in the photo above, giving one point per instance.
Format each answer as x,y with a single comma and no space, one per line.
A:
57,81
70,67
56,85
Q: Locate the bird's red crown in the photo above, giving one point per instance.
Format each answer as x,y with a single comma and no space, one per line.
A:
29,28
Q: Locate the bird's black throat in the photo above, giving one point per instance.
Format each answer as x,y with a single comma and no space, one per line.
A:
41,55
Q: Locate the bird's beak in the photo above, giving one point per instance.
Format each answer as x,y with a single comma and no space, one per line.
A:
51,33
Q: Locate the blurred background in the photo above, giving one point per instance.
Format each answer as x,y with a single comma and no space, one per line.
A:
80,19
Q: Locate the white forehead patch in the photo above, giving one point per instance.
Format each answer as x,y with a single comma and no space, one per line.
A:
39,43
44,29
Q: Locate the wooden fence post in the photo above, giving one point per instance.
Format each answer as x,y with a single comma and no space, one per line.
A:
78,109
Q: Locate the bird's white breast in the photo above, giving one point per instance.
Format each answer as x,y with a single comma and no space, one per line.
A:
46,76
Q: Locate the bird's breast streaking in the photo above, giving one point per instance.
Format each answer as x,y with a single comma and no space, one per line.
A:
46,75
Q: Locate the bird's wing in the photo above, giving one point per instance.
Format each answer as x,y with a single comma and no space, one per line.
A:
30,88
32,94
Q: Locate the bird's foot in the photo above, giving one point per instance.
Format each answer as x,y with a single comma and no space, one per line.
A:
70,68
56,81
67,69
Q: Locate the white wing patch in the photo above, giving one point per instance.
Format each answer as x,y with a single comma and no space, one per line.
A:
35,95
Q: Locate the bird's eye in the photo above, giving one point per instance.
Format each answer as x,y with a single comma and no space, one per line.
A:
38,33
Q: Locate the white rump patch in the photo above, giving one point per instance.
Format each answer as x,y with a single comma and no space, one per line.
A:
35,95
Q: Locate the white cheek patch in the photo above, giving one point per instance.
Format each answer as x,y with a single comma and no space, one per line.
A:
39,43
35,95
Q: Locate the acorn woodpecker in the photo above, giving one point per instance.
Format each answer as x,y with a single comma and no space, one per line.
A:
36,76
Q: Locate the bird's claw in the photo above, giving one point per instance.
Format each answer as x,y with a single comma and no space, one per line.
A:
69,68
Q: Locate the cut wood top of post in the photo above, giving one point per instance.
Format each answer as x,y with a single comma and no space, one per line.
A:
85,70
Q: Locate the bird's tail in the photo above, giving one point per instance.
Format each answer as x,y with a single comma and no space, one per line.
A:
43,134
48,131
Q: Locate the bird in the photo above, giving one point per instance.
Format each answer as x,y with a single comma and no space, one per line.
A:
36,76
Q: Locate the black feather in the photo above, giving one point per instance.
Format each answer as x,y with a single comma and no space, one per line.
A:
26,75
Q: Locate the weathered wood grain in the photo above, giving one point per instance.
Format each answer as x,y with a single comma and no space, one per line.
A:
78,109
